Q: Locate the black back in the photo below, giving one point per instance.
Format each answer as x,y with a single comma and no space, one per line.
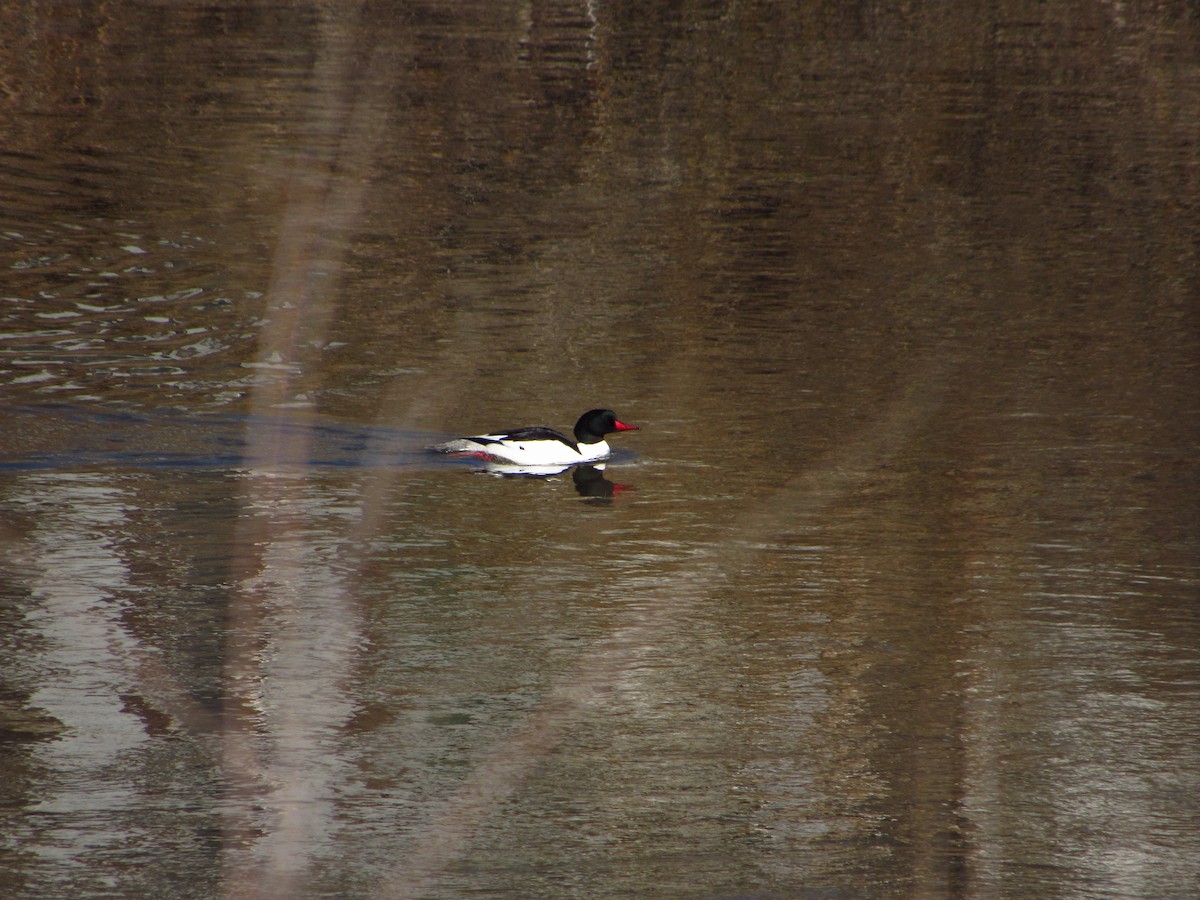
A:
532,433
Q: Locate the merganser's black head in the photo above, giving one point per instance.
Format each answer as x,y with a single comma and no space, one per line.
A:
594,424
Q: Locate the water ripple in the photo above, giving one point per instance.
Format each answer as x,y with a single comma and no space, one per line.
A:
85,307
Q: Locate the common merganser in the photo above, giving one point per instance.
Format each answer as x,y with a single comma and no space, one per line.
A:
541,446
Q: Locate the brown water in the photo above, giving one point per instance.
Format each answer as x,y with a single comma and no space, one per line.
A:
901,599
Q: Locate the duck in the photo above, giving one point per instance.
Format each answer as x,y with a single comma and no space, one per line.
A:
537,445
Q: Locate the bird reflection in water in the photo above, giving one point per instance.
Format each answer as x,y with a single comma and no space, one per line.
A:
590,481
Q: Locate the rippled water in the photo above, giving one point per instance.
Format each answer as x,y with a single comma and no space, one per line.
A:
894,594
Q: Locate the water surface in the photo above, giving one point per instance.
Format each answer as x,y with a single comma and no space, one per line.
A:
894,594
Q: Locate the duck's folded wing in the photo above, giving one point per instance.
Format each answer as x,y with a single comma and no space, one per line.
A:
533,433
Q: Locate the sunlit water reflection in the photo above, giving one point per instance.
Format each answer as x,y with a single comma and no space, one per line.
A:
893,595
